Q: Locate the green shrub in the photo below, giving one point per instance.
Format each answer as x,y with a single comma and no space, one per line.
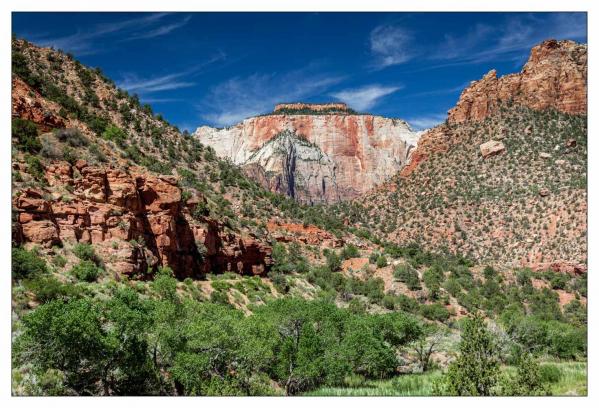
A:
86,271
48,288
85,252
219,298
550,373
408,275
389,302
115,134
381,261
407,303
98,124
350,251
59,261
35,168
25,131
27,264
333,261
435,311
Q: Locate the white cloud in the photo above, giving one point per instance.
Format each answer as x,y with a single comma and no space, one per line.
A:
365,97
162,30
83,42
390,45
426,121
132,83
239,98
177,80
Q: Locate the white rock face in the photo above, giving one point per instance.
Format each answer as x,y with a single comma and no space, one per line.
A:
335,157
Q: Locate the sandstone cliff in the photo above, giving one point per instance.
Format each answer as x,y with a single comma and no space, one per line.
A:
316,158
555,76
138,219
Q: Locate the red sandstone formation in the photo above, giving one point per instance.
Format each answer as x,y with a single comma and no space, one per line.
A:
331,157
112,205
433,141
555,76
307,234
29,104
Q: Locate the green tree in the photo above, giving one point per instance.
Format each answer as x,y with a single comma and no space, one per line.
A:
528,380
128,370
433,277
476,369
67,337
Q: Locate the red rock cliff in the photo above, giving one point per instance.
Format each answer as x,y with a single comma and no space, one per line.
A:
555,76
143,214
334,156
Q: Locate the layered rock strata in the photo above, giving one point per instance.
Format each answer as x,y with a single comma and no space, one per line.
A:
143,214
316,158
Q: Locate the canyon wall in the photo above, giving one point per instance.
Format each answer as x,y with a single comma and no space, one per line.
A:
316,158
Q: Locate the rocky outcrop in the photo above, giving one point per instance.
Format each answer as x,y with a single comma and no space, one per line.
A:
432,141
316,158
307,234
27,103
143,214
555,76
289,164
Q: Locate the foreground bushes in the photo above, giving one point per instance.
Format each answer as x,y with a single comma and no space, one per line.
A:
165,345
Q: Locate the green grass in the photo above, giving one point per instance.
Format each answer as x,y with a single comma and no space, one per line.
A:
573,381
406,385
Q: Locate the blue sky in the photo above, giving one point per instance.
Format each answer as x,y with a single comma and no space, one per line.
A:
219,68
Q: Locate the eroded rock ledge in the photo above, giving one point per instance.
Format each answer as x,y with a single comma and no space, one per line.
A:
143,214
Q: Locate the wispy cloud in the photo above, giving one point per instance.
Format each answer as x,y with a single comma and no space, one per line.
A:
426,121
160,100
390,45
177,80
364,97
241,97
85,42
162,30
507,41
133,83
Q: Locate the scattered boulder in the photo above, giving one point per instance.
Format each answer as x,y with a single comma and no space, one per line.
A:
491,148
544,192
571,143
544,155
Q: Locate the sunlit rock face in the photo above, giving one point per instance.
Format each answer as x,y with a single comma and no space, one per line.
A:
555,76
319,157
